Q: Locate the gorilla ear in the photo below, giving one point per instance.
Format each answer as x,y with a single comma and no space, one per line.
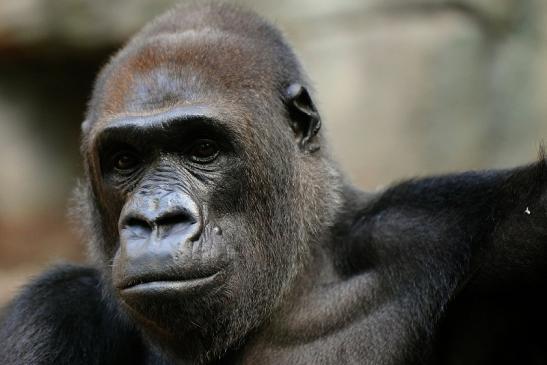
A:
305,120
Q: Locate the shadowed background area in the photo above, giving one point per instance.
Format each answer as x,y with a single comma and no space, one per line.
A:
405,87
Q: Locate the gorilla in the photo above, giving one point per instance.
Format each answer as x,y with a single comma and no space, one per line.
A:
221,231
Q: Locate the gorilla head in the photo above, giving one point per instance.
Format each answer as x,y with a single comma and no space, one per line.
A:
207,187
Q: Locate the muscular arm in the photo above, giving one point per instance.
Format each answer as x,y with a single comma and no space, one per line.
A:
462,259
484,224
61,318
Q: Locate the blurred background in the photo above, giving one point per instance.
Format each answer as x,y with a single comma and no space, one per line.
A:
405,87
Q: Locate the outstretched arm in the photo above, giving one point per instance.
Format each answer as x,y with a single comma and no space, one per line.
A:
485,223
467,235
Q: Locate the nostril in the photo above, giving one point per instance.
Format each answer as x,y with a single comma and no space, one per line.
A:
173,219
134,222
135,227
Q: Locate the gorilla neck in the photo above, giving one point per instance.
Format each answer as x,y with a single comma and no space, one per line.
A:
324,299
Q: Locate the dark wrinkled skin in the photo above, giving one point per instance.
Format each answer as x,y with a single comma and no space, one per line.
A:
222,231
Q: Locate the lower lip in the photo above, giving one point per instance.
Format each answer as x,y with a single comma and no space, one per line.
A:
161,287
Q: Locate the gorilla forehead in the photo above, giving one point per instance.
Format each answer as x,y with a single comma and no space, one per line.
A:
206,53
192,67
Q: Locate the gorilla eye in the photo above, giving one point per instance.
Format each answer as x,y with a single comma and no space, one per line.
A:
125,161
204,151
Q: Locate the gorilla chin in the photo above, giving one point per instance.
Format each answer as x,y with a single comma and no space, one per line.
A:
149,301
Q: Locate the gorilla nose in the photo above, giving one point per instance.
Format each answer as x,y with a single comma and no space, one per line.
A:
163,225
171,217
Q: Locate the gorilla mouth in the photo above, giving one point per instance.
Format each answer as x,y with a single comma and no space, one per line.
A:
165,285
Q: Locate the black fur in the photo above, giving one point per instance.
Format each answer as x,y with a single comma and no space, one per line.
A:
62,318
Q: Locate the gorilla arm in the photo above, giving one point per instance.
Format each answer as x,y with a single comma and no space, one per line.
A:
461,258
62,318
491,225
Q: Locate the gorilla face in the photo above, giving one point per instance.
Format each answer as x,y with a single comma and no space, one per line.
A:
200,180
